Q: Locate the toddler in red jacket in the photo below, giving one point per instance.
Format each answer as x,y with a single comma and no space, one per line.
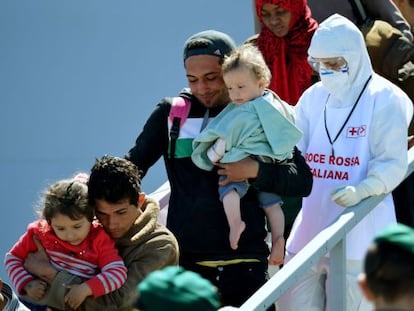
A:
73,243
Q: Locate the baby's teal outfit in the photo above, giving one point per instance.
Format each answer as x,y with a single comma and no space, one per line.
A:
261,127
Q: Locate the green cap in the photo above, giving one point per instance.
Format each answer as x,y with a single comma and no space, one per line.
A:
398,235
176,289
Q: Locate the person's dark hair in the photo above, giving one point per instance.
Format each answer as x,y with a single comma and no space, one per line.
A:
389,271
114,179
69,198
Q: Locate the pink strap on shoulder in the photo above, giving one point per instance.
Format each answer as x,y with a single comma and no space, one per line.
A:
180,108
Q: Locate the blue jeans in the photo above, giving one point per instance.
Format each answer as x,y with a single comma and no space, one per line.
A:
265,198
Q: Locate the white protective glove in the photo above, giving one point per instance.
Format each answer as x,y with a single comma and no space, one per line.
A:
216,152
350,195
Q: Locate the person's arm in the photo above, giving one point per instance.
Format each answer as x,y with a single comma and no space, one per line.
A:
112,275
387,166
15,260
113,272
38,264
158,253
386,10
125,296
290,178
35,289
77,294
152,141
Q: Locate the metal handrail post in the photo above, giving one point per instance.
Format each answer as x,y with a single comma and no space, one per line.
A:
337,277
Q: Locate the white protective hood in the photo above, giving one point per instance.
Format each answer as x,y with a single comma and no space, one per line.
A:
337,36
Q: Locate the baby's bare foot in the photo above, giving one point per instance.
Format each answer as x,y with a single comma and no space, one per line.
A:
277,252
235,232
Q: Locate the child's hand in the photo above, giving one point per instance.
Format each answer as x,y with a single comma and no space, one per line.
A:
36,289
77,294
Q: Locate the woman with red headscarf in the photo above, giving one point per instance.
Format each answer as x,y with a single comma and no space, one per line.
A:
287,29
286,32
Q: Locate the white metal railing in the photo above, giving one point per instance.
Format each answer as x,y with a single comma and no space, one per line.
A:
162,194
331,239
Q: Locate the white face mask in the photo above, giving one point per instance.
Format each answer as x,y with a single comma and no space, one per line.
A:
334,81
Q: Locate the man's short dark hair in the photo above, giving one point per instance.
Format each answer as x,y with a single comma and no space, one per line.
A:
114,179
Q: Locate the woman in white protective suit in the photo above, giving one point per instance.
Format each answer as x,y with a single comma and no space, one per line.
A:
355,141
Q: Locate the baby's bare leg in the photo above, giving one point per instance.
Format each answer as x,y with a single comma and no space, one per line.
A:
231,203
276,220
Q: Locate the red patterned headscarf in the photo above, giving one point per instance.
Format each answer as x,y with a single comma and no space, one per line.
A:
286,57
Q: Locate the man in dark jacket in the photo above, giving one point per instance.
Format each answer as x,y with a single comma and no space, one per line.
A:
196,215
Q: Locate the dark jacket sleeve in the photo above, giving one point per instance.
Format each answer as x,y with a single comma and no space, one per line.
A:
290,178
386,10
152,142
